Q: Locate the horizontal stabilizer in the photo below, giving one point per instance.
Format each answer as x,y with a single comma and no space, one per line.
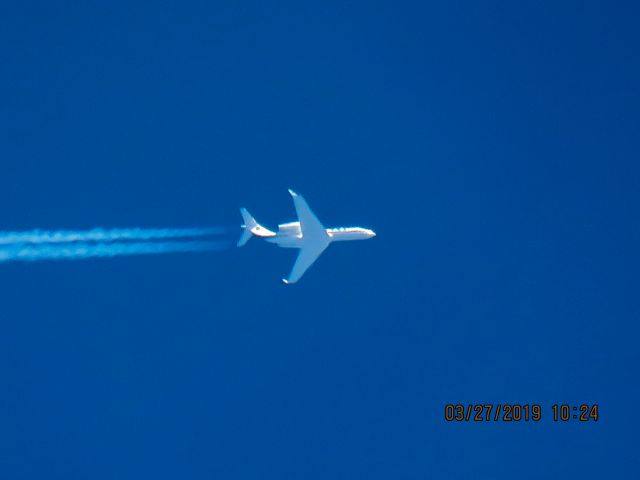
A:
245,237
251,227
249,223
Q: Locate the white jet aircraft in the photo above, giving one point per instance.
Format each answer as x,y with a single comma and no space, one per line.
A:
307,234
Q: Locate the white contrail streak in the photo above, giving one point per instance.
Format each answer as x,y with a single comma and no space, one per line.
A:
103,235
77,251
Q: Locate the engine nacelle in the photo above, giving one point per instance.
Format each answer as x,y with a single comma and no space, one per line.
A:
291,229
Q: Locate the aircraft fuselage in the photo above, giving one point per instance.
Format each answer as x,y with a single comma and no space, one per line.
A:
289,235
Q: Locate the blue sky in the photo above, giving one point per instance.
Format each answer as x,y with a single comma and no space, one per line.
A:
493,147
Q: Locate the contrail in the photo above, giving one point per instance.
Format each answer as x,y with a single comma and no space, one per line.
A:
104,235
77,251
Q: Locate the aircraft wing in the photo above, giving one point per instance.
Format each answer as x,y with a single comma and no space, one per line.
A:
314,235
308,254
309,223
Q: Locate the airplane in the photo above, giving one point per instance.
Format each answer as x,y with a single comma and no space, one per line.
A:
307,234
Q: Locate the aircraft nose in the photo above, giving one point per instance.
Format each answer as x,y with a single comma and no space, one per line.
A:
372,233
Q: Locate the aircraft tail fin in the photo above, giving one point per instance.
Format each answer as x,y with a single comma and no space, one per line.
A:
251,227
249,224
245,237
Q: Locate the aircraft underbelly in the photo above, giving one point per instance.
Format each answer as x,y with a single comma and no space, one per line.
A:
289,235
288,241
